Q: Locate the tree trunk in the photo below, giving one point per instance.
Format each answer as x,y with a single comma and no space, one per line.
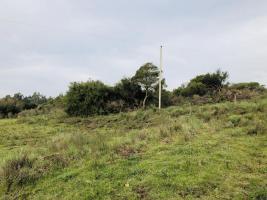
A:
144,101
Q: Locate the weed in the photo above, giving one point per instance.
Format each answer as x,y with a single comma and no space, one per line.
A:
257,129
164,132
234,119
179,111
142,192
19,171
176,127
128,150
142,135
57,161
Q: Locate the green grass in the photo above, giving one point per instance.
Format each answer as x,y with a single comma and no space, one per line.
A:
216,151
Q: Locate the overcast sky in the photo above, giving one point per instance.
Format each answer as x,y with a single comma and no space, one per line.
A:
46,44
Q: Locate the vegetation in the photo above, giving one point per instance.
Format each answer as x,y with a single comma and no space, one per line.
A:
203,84
208,143
140,91
210,151
247,86
147,77
94,97
11,106
129,93
88,98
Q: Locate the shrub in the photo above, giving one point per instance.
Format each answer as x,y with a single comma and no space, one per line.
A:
249,85
203,84
88,98
258,128
128,150
129,92
11,106
18,172
56,161
194,88
234,119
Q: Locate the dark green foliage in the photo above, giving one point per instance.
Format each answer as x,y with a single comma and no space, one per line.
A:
249,86
147,77
34,100
194,88
10,106
166,98
94,97
203,84
89,98
212,81
129,92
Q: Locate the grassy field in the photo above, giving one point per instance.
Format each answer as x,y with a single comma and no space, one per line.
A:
216,151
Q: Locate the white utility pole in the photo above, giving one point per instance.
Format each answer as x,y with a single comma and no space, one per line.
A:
160,77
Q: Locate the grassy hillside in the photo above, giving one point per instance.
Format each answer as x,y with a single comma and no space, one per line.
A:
206,152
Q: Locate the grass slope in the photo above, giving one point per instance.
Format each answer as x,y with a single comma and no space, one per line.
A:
213,151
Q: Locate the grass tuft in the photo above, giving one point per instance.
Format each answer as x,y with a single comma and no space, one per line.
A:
18,172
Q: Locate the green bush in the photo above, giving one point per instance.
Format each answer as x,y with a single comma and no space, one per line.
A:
88,98
11,106
129,92
203,84
249,85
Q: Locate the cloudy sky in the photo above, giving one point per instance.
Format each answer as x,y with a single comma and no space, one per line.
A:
46,44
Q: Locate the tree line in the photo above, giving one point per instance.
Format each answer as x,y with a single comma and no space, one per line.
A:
139,91
12,105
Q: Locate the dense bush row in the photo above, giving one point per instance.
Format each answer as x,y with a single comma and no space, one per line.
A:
94,97
248,86
203,84
11,105
141,90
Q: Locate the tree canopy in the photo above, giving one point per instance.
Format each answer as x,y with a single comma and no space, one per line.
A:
147,77
203,84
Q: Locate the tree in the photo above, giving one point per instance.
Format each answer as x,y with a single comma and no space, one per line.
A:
34,100
18,96
147,77
129,92
11,106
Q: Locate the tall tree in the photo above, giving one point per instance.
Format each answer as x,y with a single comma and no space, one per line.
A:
147,77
